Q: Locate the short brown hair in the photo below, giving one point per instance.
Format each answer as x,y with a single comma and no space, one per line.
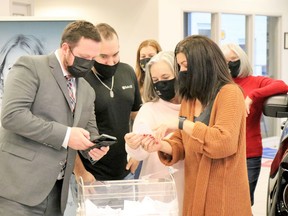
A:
78,29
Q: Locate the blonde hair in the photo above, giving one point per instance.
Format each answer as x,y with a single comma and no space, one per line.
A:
149,94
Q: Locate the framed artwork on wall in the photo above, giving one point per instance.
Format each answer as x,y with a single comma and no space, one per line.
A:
26,37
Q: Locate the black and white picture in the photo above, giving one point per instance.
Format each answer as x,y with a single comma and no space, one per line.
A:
19,38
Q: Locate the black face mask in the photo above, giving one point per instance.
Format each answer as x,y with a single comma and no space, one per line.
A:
80,67
143,63
182,79
105,71
165,89
234,68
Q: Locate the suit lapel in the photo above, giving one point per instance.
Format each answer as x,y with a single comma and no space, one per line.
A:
79,100
58,75
60,79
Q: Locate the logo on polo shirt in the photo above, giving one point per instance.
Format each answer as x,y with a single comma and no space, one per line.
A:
127,87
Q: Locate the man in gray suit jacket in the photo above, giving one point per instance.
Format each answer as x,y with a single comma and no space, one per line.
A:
41,129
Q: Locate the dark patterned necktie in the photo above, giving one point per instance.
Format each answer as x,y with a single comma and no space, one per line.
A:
72,97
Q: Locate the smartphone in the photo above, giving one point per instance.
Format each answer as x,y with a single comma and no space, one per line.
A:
103,140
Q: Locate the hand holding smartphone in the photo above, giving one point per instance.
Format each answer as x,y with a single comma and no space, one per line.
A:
102,140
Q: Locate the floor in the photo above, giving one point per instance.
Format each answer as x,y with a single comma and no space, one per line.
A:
259,207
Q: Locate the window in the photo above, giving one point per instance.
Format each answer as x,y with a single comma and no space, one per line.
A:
233,29
197,23
257,35
260,46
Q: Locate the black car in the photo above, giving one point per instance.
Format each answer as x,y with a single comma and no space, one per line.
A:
277,195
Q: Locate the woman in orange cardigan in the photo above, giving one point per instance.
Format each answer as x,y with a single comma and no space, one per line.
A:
256,89
209,134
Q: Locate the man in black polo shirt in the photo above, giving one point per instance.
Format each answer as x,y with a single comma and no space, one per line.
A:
117,97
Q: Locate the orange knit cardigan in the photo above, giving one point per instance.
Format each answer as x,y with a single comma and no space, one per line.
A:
216,181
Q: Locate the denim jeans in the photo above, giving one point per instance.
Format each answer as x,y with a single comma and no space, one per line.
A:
138,170
130,176
254,167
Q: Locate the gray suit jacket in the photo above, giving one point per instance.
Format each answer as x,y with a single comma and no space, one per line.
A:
35,116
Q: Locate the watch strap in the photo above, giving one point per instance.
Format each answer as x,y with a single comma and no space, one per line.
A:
181,122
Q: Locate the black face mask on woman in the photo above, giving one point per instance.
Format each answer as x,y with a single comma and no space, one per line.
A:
80,67
182,79
105,71
234,68
143,63
165,89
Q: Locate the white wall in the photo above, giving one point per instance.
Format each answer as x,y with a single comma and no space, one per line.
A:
133,20
5,8
136,20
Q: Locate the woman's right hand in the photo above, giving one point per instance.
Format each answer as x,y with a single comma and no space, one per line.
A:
150,144
133,140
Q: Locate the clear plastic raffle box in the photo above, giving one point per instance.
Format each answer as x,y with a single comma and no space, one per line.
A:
153,195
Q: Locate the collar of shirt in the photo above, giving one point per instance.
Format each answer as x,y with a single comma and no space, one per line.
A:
65,72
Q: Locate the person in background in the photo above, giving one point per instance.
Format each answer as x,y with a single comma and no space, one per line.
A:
117,94
15,47
256,89
146,50
42,127
161,104
209,133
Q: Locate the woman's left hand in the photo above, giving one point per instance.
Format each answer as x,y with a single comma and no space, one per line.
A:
132,165
168,127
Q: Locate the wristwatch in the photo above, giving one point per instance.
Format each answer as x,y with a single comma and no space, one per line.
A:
181,122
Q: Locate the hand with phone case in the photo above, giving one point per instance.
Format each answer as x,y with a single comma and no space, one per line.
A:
102,140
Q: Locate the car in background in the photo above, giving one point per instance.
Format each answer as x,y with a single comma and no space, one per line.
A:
277,194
